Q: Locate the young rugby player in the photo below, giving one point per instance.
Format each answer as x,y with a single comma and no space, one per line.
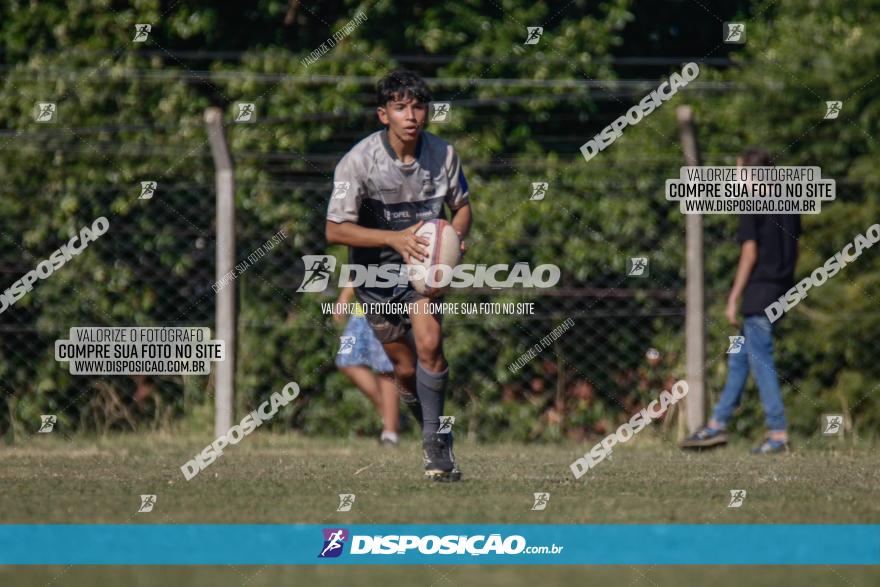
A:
387,186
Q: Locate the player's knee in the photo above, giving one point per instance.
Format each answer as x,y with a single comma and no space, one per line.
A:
432,361
404,370
429,344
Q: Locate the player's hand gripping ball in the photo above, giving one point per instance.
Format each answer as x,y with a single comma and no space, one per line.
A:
432,275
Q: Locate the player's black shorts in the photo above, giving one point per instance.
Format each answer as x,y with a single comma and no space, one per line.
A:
394,326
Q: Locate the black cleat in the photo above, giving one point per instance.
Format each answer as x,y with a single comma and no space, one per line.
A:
440,462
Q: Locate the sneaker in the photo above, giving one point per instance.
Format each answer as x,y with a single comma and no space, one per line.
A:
439,459
770,446
388,439
705,437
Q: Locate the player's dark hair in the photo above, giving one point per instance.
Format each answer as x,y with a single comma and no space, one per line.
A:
401,84
756,158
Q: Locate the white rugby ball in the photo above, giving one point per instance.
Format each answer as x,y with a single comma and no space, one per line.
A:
431,277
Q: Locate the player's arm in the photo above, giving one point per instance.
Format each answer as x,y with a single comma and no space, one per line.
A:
461,222
403,241
343,212
458,197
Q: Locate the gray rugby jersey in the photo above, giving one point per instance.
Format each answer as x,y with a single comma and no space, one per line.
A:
375,190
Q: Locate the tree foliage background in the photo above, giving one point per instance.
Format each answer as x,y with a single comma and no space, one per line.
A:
129,112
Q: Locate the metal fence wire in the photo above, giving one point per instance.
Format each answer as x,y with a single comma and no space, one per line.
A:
155,266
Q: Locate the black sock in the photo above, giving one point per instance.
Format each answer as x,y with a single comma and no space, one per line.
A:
431,388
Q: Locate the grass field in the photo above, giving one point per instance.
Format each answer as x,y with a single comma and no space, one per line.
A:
437,576
286,479
276,479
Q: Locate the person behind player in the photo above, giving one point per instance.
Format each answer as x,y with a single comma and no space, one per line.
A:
385,188
769,246
369,368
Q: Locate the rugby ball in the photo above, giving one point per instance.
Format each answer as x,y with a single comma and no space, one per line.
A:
431,277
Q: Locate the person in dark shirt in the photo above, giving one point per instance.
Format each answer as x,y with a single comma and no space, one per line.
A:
769,245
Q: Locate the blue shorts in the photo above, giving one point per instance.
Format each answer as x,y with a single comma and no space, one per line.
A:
365,350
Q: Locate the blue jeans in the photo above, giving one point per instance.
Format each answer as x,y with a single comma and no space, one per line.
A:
756,355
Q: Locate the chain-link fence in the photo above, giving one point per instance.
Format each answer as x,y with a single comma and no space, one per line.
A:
153,266
625,340
618,309
616,330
